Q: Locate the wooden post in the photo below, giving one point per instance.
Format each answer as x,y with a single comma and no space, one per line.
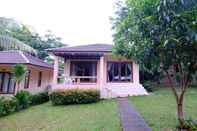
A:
135,73
101,78
56,69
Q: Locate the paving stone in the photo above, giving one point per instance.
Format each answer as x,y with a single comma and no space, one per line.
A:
131,120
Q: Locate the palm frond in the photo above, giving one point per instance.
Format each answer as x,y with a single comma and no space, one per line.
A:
10,43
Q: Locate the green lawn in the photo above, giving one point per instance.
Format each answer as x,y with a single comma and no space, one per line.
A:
159,109
102,116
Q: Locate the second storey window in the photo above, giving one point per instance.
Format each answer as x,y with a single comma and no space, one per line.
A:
119,72
39,79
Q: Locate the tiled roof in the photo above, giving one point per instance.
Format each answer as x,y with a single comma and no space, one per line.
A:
19,57
84,48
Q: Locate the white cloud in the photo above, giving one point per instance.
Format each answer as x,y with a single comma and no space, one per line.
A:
76,21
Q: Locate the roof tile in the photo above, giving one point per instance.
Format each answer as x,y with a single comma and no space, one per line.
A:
18,57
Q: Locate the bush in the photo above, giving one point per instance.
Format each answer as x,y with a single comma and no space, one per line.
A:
148,86
74,96
39,98
24,99
8,106
190,125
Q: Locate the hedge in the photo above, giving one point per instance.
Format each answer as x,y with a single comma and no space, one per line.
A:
22,100
74,96
8,106
39,98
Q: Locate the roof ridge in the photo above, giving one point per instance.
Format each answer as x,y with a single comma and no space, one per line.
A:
36,58
24,57
97,47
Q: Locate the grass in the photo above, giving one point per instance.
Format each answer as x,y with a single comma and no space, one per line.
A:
101,116
159,109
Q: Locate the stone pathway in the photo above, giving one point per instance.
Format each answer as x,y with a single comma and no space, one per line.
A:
130,118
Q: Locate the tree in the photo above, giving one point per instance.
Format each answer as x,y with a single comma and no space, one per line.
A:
27,35
10,43
33,39
19,71
161,35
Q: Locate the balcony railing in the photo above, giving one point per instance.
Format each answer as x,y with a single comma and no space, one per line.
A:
80,79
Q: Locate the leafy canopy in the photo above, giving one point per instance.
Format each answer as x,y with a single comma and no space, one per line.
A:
162,35
25,34
158,32
19,72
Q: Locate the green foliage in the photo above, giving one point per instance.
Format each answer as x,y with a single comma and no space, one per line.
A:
8,105
19,72
10,43
24,99
25,34
161,35
190,124
74,96
7,41
39,98
148,86
157,32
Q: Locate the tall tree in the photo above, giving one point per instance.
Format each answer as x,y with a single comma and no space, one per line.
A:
8,42
161,35
23,33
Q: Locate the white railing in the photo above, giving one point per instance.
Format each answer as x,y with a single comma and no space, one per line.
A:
80,79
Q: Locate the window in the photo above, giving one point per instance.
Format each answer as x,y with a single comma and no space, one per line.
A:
83,71
27,77
7,84
119,72
39,79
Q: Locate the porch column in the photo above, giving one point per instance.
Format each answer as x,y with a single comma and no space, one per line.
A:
101,81
135,73
67,68
56,69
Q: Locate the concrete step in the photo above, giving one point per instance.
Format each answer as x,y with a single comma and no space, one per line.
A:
128,92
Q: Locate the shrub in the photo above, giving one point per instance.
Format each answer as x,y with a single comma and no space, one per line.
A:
8,106
39,98
74,96
24,99
190,125
148,86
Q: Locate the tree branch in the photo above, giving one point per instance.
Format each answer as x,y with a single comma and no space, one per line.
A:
172,86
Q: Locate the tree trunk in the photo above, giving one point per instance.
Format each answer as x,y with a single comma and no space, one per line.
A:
180,113
17,88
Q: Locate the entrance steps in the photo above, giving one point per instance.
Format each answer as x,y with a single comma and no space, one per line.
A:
125,91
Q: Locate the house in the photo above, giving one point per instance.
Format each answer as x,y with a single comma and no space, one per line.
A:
38,77
94,66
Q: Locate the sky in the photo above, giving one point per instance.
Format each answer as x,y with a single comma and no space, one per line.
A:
77,22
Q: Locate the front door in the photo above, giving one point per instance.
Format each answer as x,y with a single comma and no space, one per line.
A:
7,84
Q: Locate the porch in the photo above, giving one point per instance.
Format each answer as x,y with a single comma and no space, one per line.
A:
94,66
114,78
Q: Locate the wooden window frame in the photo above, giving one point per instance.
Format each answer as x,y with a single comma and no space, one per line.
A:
74,61
3,80
120,62
40,79
27,78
